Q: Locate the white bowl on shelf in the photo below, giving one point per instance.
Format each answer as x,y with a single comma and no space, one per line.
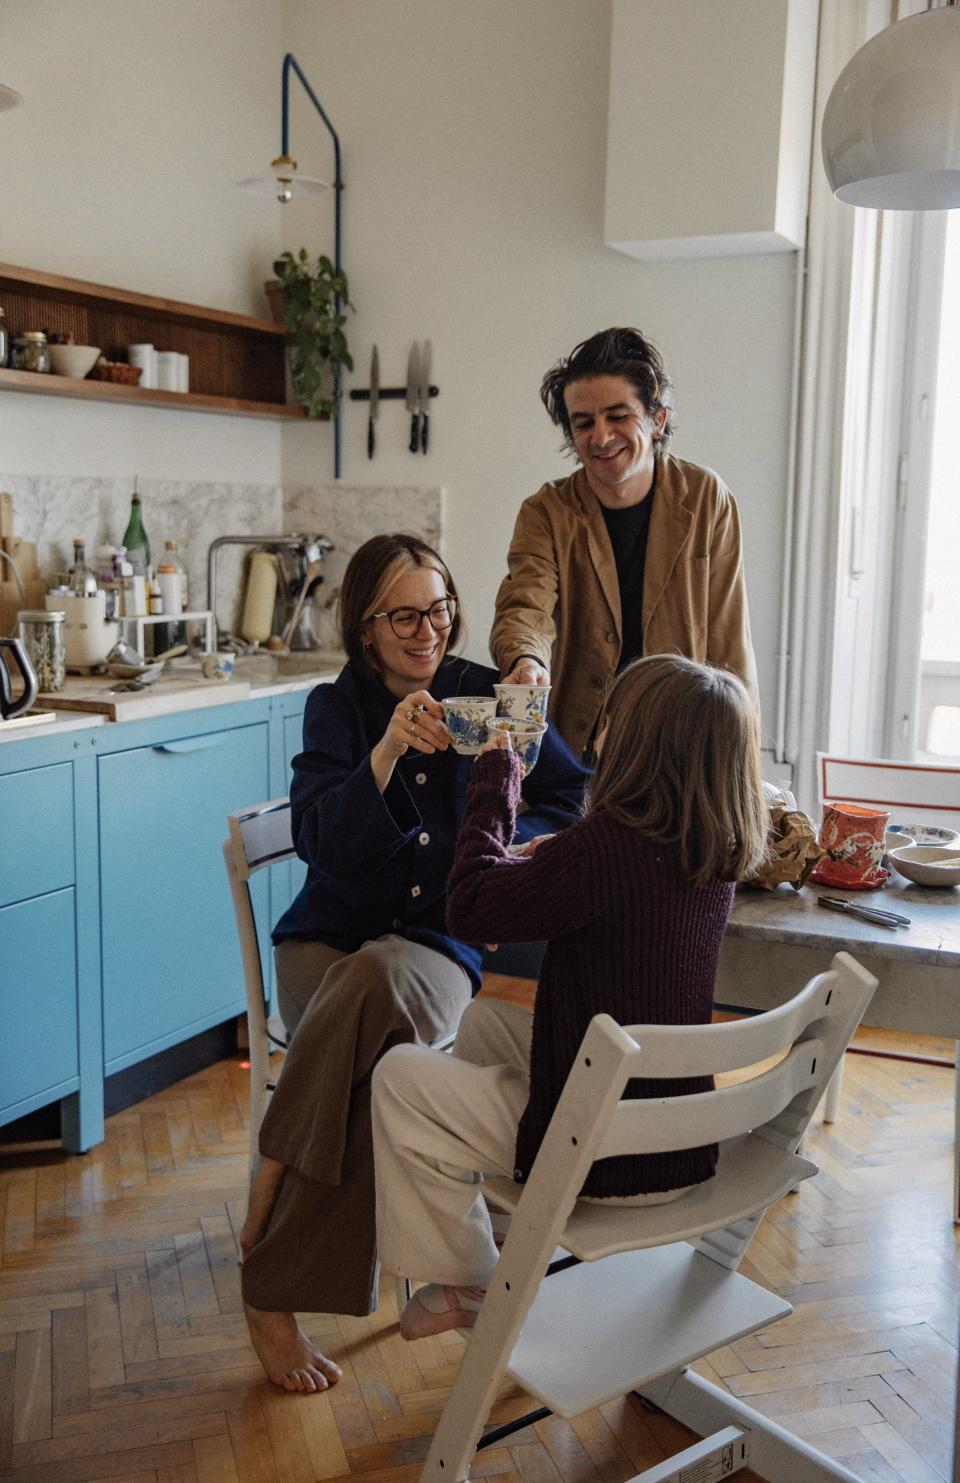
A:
927,865
73,360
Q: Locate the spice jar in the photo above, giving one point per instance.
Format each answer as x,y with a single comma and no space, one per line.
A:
29,352
41,634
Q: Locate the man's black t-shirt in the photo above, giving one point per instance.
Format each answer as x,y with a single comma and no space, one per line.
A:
628,530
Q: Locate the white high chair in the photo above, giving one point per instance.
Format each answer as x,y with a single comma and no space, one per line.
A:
656,1287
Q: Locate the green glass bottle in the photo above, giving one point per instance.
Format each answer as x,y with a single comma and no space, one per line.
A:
135,538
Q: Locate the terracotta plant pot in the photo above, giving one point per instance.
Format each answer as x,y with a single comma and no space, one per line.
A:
277,299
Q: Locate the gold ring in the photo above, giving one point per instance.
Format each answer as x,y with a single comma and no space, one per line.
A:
411,713
413,730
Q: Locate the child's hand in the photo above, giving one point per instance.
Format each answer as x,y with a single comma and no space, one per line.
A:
528,847
497,741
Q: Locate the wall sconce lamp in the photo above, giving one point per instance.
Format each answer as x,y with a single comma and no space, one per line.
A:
283,183
8,98
891,128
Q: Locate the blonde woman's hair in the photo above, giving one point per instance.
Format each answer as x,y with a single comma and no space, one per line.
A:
679,759
371,572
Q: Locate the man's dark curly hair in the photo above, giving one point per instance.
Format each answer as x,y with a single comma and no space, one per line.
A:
613,352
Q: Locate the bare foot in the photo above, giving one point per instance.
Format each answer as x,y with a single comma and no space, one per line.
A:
434,1309
286,1353
266,1177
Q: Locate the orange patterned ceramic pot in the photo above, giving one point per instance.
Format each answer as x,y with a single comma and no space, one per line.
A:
853,838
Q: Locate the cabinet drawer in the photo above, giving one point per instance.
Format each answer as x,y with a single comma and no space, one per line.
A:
36,808
39,994
171,962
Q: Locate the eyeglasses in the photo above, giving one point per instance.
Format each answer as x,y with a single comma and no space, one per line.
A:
405,622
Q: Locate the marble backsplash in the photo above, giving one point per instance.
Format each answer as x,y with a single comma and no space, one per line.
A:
52,512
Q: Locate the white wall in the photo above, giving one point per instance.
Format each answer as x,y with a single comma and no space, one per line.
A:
118,168
474,162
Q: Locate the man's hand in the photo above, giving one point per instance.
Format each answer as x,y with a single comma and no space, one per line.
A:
527,672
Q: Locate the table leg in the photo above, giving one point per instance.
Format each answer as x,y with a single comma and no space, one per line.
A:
831,1099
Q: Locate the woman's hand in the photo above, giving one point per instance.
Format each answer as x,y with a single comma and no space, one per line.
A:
527,672
524,851
417,724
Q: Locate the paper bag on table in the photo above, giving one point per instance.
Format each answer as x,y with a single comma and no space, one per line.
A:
793,849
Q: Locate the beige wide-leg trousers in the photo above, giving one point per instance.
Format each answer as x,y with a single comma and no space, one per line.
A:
319,1251
439,1123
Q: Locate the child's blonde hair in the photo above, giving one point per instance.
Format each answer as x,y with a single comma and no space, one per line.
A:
679,759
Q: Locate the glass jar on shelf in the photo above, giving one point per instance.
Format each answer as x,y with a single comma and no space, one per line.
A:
30,352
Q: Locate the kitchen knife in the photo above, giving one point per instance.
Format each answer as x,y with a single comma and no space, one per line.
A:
413,394
425,394
374,401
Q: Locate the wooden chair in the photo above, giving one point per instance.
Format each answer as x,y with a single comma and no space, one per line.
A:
259,837
654,1288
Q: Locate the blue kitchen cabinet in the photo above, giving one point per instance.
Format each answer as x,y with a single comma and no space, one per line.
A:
171,962
49,973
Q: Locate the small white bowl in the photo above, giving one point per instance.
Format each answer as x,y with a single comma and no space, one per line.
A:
73,360
918,863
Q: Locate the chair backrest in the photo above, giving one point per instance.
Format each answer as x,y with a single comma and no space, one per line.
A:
914,792
258,837
758,1122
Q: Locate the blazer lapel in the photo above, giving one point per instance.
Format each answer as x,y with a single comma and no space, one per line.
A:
599,547
670,525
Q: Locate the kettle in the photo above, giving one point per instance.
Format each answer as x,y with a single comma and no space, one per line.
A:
8,706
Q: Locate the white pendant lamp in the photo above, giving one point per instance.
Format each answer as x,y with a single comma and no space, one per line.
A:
891,127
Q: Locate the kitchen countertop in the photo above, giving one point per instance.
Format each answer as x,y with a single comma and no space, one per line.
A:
62,721
91,700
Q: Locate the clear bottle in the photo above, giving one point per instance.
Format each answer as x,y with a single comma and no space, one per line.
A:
81,581
135,539
172,562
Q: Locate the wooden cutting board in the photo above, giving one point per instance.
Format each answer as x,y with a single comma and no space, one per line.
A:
98,694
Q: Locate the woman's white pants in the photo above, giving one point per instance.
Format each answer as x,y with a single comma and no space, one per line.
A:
440,1122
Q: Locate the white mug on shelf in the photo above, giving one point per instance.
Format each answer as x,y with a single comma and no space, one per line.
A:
145,357
168,370
183,362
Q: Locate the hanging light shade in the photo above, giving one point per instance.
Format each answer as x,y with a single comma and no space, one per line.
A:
8,98
284,183
891,127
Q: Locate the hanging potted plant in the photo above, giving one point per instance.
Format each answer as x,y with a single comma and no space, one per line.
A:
318,351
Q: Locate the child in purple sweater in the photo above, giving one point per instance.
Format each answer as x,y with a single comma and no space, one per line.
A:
633,901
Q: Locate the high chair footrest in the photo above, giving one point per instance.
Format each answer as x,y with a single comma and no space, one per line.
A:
600,1329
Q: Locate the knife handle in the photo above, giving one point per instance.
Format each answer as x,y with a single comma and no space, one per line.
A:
371,438
414,432
424,432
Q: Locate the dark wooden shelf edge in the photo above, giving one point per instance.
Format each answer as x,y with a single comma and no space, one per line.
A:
77,288
112,391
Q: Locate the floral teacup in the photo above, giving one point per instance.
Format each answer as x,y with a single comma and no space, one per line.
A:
525,736
522,702
467,718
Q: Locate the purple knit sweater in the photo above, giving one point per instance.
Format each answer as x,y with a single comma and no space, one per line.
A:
627,935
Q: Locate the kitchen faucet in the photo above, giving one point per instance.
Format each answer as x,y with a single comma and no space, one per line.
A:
311,547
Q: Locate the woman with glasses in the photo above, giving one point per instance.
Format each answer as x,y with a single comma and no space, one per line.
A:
364,959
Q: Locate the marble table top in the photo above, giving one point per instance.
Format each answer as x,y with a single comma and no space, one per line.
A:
787,916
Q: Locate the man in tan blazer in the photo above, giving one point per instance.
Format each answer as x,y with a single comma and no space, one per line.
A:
635,553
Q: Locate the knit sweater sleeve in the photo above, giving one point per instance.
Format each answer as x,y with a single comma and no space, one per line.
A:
496,897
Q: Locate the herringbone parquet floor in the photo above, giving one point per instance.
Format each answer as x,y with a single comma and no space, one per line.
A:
123,1353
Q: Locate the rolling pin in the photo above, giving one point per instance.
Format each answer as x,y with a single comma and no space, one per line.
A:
256,624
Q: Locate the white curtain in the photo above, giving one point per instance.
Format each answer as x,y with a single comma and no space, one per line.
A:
854,320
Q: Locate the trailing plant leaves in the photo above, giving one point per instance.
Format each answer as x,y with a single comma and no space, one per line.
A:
314,320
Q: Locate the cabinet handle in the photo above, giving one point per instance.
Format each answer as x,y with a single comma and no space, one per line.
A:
191,743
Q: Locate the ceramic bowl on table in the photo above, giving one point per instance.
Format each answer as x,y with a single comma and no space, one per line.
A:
928,865
901,836
73,360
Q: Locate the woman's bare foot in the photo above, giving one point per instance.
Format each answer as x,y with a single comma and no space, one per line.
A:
266,1177
286,1353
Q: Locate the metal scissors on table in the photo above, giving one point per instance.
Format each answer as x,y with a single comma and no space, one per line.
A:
866,913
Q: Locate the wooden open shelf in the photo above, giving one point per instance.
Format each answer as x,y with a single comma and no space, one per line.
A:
237,362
